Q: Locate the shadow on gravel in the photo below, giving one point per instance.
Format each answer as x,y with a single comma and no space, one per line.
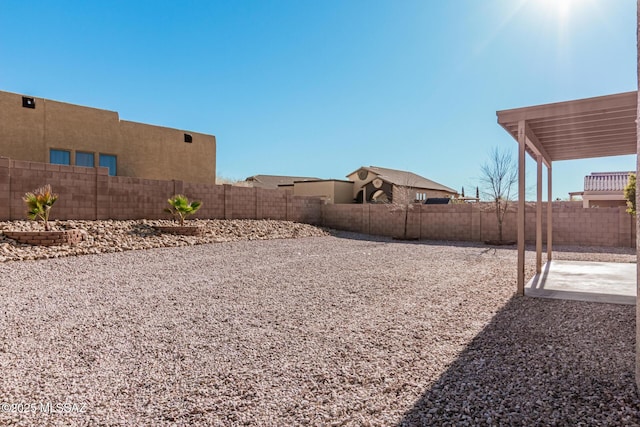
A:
371,238
558,250
143,230
540,362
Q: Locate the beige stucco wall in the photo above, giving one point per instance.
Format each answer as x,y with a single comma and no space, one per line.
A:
21,130
359,183
331,191
174,158
603,199
142,150
343,192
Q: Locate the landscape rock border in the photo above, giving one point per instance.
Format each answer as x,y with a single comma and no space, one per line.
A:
46,238
108,236
183,230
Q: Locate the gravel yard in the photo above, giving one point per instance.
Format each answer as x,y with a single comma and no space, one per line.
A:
327,331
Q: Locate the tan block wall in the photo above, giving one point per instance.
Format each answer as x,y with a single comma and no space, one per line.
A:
411,193
572,224
607,203
243,202
142,151
450,222
19,177
272,204
212,198
135,198
89,193
347,217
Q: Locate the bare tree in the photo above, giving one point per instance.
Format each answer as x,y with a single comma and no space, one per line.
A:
403,199
499,176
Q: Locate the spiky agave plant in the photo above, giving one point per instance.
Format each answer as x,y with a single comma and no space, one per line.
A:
39,203
182,208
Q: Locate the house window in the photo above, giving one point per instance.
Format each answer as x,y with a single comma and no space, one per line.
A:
188,138
84,159
109,161
59,157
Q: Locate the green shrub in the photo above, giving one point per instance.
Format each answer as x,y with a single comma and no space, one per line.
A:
39,203
182,208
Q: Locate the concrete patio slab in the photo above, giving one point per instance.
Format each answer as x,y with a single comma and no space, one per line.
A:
606,282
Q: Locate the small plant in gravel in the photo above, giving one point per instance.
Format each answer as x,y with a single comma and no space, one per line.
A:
39,203
181,208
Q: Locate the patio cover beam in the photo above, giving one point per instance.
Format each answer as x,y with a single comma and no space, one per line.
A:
617,102
585,128
535,145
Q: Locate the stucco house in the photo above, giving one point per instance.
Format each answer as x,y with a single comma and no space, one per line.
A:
374,184
603,189
46,131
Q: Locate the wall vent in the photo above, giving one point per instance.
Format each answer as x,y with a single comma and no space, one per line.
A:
28,102
188,138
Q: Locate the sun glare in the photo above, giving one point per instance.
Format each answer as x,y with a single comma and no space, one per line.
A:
564,7
561,8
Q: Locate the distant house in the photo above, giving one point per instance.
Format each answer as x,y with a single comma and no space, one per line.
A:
373,184
275,181
603,189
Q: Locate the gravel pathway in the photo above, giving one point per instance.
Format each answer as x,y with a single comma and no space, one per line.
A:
327,331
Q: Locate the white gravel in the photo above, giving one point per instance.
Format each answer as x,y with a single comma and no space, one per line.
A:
334,330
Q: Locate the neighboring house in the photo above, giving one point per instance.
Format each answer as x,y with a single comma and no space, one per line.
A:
46,131
603,189
274,181
374,184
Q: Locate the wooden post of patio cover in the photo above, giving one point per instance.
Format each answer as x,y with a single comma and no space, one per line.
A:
539,216
549,214
522,141
638,198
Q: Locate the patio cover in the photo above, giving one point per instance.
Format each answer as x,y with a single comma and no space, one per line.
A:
585,128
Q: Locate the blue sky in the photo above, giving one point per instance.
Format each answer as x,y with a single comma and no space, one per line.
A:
322,87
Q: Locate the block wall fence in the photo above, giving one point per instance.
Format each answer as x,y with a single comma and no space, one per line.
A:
572,224
90,193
